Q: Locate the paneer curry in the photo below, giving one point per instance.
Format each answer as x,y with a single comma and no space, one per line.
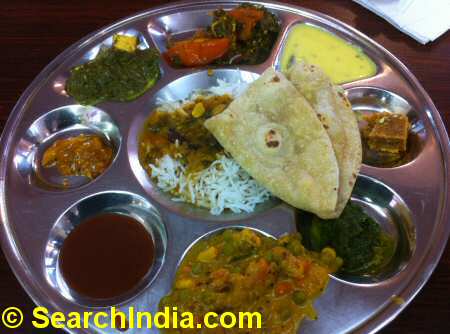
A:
119,73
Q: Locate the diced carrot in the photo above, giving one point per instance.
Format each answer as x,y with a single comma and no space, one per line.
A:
186,269
283,288
198,51
263,269
248,17
306,265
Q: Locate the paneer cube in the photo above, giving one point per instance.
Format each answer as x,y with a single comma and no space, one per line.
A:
125,42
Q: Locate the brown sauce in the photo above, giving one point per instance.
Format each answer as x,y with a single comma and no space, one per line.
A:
106,256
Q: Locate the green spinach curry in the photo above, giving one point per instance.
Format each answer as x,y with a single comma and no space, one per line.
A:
243,271
357,239
120,73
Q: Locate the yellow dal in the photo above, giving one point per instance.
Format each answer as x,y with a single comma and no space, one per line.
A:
342,61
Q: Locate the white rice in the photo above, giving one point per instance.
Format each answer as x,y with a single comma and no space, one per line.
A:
223,87
223,185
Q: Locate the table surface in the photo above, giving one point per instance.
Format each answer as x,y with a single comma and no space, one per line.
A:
32,33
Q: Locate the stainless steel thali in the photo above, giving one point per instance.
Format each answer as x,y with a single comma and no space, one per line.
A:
410,200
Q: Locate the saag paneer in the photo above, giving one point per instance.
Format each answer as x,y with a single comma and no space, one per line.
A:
120,73
244,271
364,247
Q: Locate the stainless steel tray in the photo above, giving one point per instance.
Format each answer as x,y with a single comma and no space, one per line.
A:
410,201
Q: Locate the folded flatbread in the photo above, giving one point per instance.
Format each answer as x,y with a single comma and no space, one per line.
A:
276,136
336,114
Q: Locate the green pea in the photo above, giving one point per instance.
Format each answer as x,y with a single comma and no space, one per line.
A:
207,297
299,297
184,295
295,247
228,249
277,257
269,257
236,269
228,235
197,268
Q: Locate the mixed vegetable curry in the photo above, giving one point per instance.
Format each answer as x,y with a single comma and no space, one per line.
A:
243,35
181,134
244,271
